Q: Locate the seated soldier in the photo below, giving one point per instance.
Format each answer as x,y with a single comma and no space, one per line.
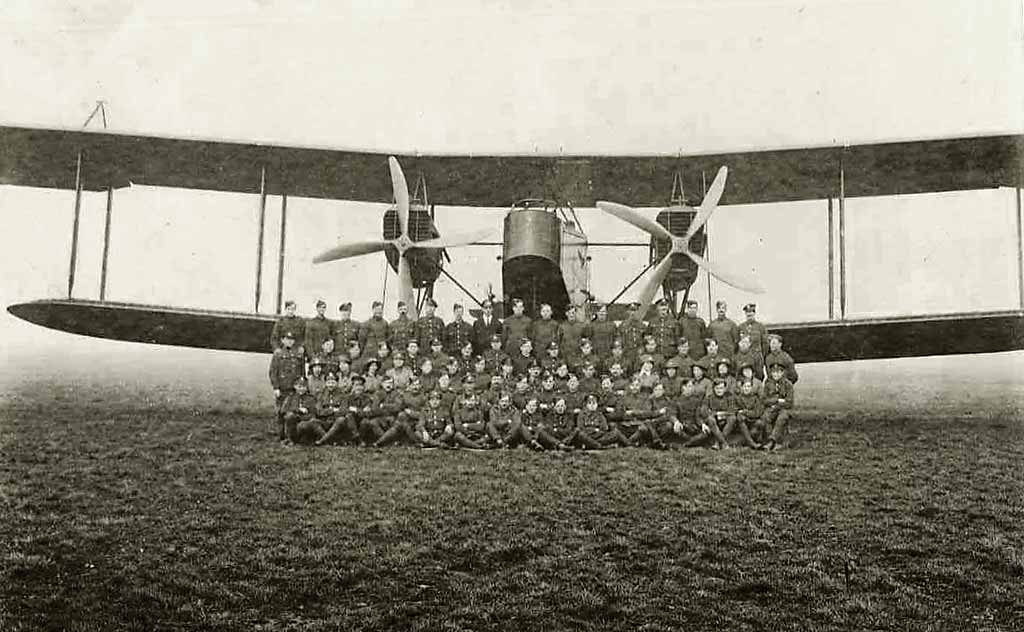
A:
557,430
384,356
589,382
495,355
778,402
636,416
502,421
683,358
618,355
547,394
449,392
412,402
647,376
672,382
413,356
469,425
466,359
723,371
777,356
360,407
650,353
387,403
454,370
611,407
530,420
428,376
490,396
665,417
691,429
434,427
522,392
749,411
701,383
573,396
561,377
586,355
522,360
507,372
552,357
332,411
356,360
299,413
437,354
327,357
620,382
745,355
711,358
718,410
591,426
745,373
533,375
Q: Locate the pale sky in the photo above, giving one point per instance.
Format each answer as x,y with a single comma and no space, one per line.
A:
578,77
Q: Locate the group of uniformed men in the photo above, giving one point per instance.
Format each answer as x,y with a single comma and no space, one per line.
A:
591,384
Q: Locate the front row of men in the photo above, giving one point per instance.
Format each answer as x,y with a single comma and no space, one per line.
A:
563,418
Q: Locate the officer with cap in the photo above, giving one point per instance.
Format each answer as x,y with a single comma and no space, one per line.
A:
345,329
429,325
289,323
286,366
757,332
375,330
458,332
664,327
632,332
692,327
318,329
402,329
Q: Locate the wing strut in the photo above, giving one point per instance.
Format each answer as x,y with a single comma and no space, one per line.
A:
106,244
259,238
280,252
74,224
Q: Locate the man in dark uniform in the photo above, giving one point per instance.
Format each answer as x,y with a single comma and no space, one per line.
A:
777,356
345,329
603,332
570,333
429,325
286,366
692,327
545,329
298,413
664,327
318,329
402,329
495,355
755,329
485,327
458,332
516,327
632,332
724,330
290,324
374,330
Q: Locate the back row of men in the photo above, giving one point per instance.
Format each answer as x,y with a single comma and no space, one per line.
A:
663,327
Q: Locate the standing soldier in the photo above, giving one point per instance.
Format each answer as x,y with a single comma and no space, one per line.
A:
632,332
516,327
318,329
603,332
429,326
290,324
286,366
402,329
345,329
664,327
485,327
755,329
724,330
458,332
692,327
571,332
374,330
545,329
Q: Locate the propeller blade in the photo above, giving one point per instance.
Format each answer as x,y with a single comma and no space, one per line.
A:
631,216
401,191
405,289
710,203
736,279
647,295
453,241
353,249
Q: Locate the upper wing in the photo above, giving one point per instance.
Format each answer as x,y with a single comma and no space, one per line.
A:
806,342
48,158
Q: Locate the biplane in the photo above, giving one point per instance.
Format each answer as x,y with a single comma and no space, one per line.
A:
544,249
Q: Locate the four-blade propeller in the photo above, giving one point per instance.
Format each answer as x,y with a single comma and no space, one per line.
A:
681,245
403,243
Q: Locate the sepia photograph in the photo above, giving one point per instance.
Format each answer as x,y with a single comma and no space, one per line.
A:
485,315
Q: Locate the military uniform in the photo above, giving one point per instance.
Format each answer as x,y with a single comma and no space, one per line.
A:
558,430
346,330
545,331
434,427
514,329
456,334
297,412
383,414
726,333
718,411
494,359
632,332
318,329
427,329
778,401
665,330
749,410
400,331
470,427
294,325
570,333
695,331
591,429
332,409
785,360
286,366
758,335
373,332
602,333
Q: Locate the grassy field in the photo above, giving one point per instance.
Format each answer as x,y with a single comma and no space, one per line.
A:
154,497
